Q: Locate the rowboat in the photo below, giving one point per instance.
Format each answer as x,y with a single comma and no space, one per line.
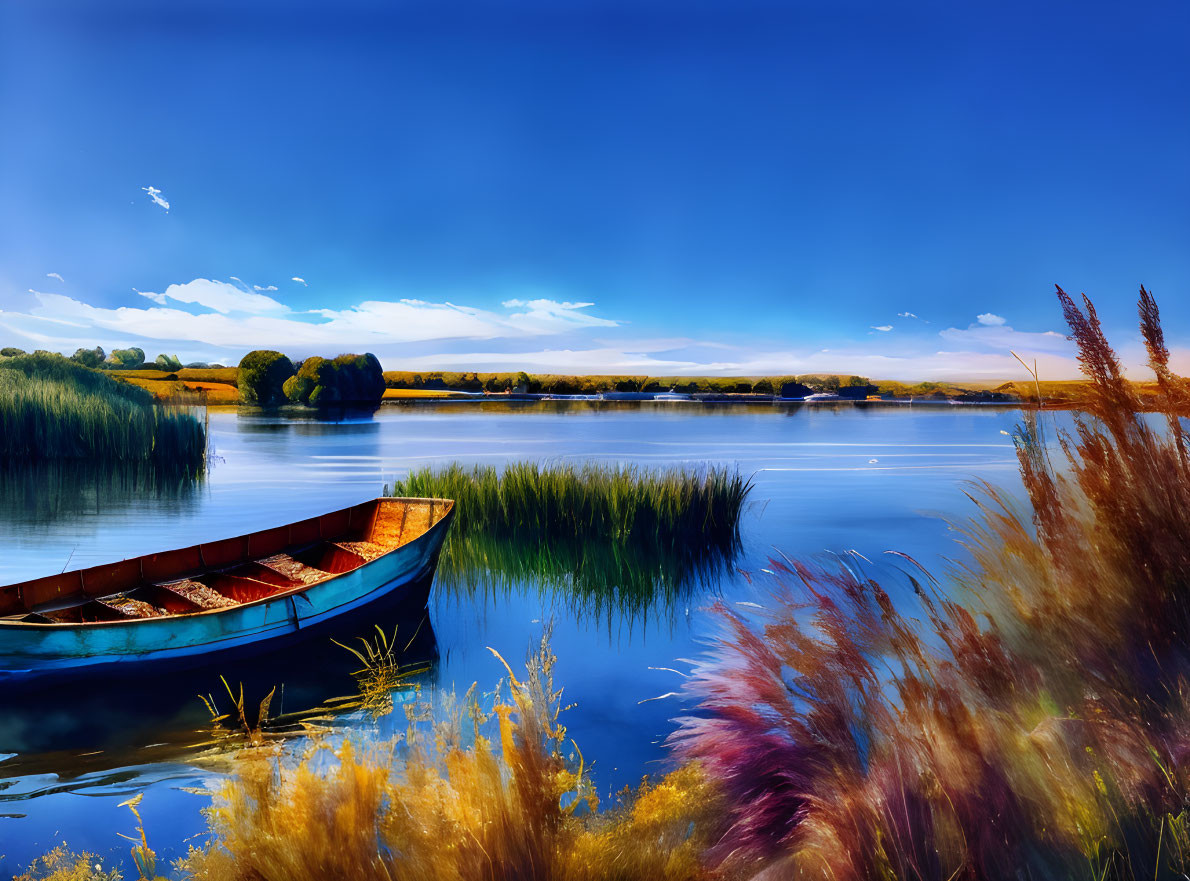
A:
189,605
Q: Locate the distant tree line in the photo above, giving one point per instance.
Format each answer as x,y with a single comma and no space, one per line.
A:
270,378
785,386
117,359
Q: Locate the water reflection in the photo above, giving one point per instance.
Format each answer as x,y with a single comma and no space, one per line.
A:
78,730
47,492
591,576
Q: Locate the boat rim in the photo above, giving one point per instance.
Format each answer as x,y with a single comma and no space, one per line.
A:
286,594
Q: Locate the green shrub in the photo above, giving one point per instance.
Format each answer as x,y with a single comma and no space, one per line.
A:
262,377
126,359
11,352
347,379
168,363
92,358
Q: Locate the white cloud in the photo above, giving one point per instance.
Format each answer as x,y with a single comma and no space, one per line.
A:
300,281
883,328
1005,339
906,315
219,296
271,287
158,199
55,275
989,319
540,315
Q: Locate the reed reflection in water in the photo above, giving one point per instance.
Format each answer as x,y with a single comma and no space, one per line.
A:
49,491
607,540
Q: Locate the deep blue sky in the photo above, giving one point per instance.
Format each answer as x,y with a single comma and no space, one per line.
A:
757,180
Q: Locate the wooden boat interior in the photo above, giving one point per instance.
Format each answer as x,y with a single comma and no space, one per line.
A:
227,573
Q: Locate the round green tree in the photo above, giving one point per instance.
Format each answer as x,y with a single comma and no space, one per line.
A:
262,377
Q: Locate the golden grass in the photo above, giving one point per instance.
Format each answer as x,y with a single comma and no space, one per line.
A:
200,392
397,394
495,794
1075,393
61,864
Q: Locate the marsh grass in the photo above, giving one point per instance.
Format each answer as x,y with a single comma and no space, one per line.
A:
383,669
608,536
52,409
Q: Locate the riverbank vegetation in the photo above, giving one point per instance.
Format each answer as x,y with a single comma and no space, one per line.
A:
270,379
54,409
612,537
1024,716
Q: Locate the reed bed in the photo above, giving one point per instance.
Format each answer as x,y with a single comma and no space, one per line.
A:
52,409
608,536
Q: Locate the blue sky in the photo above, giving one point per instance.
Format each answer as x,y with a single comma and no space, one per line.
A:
644,186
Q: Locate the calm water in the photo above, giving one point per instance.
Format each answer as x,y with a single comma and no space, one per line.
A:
826,479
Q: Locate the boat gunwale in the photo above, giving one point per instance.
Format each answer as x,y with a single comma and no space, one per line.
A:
290,592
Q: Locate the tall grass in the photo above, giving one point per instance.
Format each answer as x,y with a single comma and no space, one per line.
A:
609,536
52,409
1041,730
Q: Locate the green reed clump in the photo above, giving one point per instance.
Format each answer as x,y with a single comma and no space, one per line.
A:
52,409
603,533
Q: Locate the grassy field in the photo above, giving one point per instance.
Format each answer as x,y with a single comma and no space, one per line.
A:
52,409
212,386
411,394
610,537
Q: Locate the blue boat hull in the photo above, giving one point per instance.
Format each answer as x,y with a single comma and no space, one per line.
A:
36,650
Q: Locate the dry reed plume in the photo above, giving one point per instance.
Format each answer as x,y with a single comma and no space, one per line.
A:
1039,731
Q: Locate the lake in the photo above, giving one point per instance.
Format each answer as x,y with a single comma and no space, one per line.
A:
827,478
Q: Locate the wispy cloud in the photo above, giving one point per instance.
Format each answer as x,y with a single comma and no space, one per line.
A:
544,316
300,281
271,287
989,319
906,315
55,275
883,328
157,197
1002,337
220,296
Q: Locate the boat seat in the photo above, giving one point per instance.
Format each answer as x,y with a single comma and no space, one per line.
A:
131,607
368,550
297,572
198,594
